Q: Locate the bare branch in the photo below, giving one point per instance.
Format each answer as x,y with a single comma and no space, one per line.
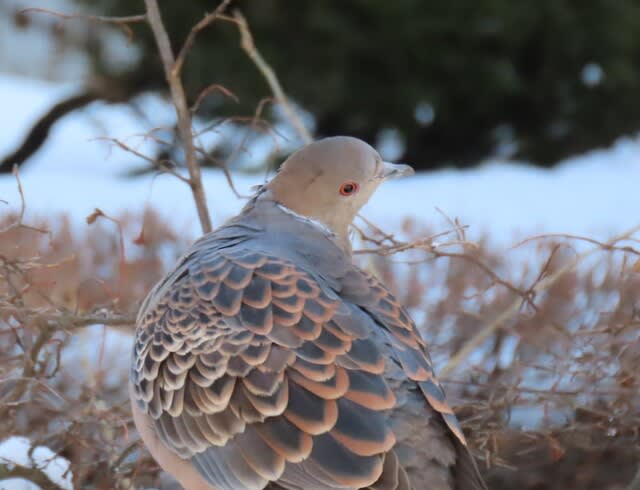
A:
215,87
602,245
129,19
121,22
188,44
224,168
513,310
247,43
23,207
33,475
157,164
182,111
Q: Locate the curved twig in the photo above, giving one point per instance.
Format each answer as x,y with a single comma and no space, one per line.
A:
246,41
513,310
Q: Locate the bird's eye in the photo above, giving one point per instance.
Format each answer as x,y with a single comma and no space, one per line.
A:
349,188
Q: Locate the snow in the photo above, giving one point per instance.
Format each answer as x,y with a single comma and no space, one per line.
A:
76,146
19,451
77,170
96,349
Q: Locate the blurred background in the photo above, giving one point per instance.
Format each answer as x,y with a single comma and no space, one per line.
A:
441,84
522,224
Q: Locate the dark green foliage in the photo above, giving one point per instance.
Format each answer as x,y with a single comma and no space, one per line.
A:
364,65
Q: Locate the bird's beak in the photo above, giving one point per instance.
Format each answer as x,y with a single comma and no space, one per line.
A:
390,170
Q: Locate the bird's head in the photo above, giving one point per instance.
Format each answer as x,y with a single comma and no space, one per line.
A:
331,179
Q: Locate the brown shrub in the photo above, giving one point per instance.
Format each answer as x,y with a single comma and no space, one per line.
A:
548,397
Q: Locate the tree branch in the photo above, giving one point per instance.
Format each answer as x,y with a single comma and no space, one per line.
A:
121,22
203,24
182,111
246,41
34,475
512,311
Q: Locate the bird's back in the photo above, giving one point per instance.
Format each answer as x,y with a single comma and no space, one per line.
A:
264,359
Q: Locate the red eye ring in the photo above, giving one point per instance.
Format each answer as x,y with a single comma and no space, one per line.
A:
348,188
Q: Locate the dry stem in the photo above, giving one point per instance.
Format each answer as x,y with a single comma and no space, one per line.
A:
182,111
513,310
246,41
188,44
33,475
121,22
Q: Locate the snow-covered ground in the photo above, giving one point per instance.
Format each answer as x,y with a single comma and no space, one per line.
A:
597,194
19,451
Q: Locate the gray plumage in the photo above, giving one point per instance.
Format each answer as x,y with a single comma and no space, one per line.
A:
266,359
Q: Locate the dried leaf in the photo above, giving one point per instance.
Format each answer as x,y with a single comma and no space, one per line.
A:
140,240
94,216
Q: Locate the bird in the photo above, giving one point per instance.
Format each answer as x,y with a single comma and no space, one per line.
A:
265,359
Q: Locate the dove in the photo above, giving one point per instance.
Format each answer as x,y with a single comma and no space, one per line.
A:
267,360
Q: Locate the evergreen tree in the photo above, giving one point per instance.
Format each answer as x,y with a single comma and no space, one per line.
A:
457,79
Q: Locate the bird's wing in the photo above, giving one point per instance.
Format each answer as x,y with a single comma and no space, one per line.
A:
254,372
411,352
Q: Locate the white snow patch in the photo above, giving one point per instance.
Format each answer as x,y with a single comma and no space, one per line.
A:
98,351
17,450
595,194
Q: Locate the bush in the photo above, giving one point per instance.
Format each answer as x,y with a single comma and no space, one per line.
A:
549,398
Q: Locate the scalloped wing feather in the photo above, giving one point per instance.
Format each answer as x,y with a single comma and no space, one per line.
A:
256,373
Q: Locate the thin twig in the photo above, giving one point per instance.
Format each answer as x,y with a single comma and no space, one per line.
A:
248,45
155,163
214,87
182,111
225,170
128,19
34,475
455,223
23,207
188,43
121,22
513,310
568,236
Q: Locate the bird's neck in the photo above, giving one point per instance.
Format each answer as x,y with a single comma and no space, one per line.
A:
269,209
335,229
340,235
